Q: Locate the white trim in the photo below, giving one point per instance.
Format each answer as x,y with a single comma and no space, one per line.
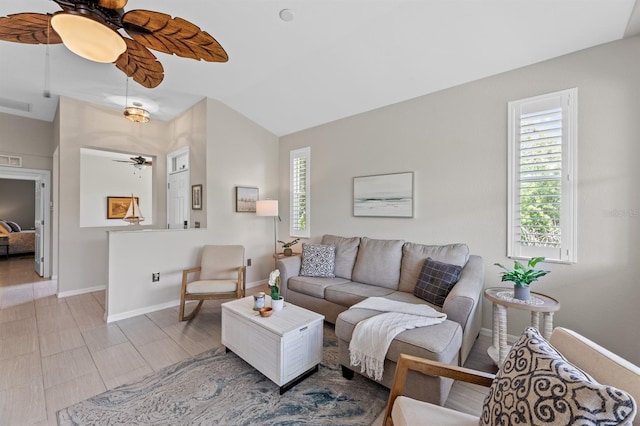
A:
567,253
44,176
142,311
81,291
293,154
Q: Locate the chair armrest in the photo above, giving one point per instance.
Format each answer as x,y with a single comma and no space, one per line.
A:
288,267
433,368
185,275
242,280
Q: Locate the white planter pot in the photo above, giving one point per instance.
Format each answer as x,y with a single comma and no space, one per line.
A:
277,305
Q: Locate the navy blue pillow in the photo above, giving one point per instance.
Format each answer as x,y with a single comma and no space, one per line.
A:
436,281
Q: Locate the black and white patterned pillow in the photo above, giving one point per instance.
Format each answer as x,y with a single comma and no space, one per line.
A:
536,385
436,281
318,260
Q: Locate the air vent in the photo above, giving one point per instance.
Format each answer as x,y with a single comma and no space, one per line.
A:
11,161
17,105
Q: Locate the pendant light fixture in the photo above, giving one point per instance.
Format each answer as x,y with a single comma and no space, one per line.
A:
134,113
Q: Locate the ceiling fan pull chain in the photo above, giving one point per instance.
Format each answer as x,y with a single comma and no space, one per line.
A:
47,79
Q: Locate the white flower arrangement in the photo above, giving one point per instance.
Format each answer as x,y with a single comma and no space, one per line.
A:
274,283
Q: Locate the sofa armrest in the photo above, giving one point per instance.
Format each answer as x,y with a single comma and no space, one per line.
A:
466,295
432,368
288,267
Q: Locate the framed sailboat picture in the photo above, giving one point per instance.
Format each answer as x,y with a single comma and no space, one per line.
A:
117,206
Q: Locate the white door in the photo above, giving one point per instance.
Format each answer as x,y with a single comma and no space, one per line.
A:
178,200
39,224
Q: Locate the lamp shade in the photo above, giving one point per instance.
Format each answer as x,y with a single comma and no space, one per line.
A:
88,38
267,208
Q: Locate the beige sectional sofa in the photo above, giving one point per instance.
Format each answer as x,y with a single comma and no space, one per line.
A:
367,267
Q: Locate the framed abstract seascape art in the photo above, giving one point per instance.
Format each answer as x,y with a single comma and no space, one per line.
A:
389,195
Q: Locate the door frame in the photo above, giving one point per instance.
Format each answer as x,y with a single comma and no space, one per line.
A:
171,170
45,205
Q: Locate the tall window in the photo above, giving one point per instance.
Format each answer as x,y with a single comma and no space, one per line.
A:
300,160
542,181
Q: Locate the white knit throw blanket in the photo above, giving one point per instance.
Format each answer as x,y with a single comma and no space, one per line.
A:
372,337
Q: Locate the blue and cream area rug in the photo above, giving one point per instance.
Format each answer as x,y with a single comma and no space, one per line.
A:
218,388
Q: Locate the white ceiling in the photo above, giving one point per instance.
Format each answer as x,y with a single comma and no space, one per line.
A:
336,58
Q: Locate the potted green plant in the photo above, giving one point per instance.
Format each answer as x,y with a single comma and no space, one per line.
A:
287,246
522,276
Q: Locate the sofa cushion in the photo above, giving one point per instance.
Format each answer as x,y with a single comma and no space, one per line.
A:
414,255
346,253
378,262
349,294
317,260
436,281
440,342
313,286
537,385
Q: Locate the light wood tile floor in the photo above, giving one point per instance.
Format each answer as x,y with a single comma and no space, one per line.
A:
56,352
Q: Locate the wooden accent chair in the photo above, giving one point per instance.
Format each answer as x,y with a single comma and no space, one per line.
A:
222,276
603,366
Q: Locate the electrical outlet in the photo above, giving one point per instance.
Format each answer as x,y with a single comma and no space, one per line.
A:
155,277
248,262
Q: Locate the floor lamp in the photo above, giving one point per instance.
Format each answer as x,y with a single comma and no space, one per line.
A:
269,208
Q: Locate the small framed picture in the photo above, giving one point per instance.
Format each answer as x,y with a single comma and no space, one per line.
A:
246,198
196,197
117,206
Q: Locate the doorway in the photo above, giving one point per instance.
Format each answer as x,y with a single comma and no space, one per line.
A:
42,223
178,180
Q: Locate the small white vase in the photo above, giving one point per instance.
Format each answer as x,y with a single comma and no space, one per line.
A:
277,305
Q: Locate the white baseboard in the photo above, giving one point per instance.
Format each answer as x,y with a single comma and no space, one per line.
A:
148,309
142,311
81,291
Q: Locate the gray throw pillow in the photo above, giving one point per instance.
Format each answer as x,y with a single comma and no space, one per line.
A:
318,260
536,385
14,226
436,281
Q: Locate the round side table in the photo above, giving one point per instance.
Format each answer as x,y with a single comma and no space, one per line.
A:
502,299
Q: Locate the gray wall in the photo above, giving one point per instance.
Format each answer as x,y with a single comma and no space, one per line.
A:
28,138
456,143
18,201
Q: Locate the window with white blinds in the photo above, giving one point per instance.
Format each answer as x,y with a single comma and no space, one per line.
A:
542,181
300,160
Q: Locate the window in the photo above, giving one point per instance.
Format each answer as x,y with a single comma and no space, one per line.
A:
542,180
300,160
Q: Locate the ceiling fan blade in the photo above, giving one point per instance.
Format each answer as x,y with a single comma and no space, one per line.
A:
138,62
161,32
123,161
112,4
30,28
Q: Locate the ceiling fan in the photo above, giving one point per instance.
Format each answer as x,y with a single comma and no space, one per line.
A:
89,28
137,162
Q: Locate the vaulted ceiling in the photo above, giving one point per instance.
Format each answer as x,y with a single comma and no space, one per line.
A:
334,59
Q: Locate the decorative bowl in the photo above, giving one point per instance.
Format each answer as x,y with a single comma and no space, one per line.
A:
265,312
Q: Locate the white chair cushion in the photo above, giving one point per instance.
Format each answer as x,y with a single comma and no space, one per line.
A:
212,286
407,411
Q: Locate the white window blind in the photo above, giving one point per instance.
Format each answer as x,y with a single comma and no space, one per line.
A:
542,189
299,199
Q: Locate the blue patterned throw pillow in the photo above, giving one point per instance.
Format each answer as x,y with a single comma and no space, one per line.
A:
436,281
318,260
536,385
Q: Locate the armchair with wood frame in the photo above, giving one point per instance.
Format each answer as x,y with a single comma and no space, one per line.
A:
222,276
611,383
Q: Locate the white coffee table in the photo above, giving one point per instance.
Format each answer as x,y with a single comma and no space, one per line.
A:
286,347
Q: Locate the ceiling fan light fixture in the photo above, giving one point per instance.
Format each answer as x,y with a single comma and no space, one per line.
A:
137,115
88,38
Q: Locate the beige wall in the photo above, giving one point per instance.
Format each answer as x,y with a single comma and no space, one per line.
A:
30,139
82,252
456,143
